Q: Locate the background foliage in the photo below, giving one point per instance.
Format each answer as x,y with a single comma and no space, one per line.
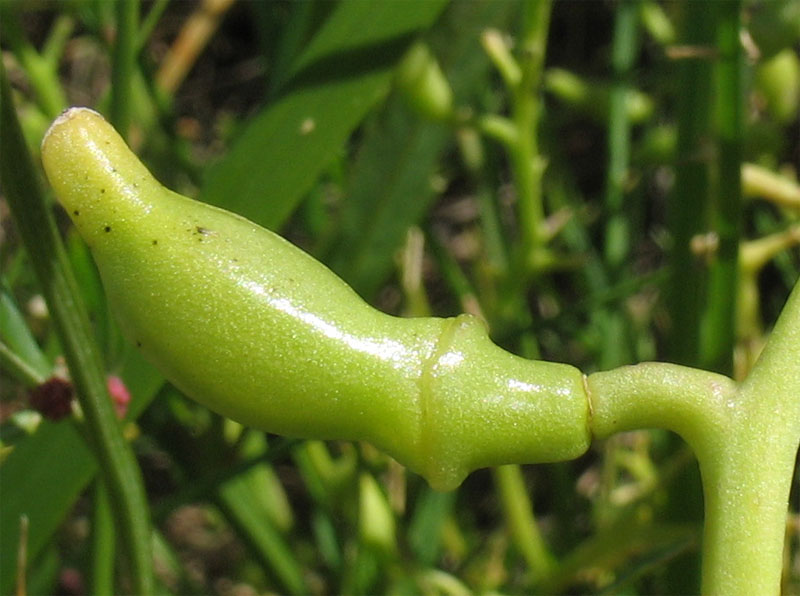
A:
603,182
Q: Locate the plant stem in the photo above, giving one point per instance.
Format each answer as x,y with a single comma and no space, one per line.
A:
38,231
685,400
102,567
623,54
748,484
57,39
687,207
195,34
613,324
526,163
745,438
41,72
719,329
523,82
149,23
758,181
124,59
521,523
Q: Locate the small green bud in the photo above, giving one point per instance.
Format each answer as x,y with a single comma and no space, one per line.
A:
424,85
497,48
655,20
375,519
778,82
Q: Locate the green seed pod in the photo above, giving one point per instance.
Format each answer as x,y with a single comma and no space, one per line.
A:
257,330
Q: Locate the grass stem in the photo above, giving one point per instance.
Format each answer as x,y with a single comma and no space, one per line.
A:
690,196
103,546
124,63
520,521
37,230
719,331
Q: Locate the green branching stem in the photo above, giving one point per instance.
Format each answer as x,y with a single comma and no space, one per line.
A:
745,438
526,162
622,59
747,485
38,231
616,348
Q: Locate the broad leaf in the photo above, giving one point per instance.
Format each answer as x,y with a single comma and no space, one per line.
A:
344,72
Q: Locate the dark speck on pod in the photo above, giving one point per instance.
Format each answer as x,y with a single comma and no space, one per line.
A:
155,242
76,213
107,228
102,191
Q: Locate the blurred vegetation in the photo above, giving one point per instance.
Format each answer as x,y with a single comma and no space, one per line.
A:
603,182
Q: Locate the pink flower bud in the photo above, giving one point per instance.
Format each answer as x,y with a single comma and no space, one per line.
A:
119,395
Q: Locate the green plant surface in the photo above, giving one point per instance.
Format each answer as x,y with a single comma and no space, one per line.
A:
735,431
596,184
228,300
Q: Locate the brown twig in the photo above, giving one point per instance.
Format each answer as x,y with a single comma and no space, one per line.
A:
194,36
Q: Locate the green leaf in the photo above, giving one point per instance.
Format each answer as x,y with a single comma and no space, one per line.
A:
424,532
40,481
344,72
238,501
45,474
392,185
391,190
15,332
